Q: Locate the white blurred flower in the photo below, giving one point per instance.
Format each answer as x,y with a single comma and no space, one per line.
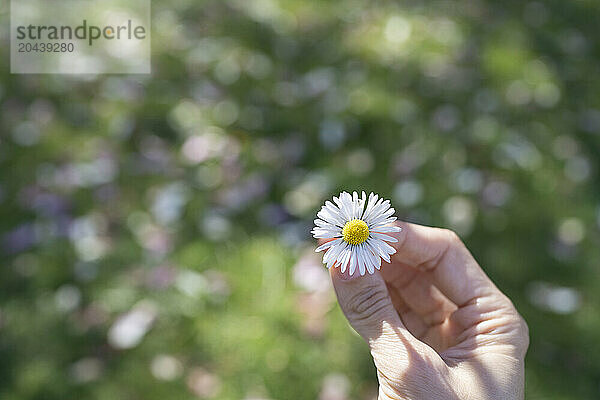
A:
203,383
130,328
497,193
212,143
310,275
215,227
307,194
86,370
557,299
191,283
335,387
332,133
166,367
408,193
518,93
460,214
397,29
571,231
67,298
360,162
226,112
577,169
547,94
168,202
468,180
86,234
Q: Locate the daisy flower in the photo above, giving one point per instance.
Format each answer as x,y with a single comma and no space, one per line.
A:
357,227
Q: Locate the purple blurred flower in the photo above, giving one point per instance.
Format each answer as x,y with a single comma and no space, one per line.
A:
20,239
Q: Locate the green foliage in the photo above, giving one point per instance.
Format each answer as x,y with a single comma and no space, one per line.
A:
181,202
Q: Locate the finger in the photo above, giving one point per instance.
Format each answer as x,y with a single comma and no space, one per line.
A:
397,300
435,331
411,320
417,291
414,291
439,337
448,263
366,303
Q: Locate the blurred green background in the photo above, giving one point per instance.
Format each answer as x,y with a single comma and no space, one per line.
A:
155,229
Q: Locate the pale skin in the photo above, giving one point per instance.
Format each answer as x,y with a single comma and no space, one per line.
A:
436,325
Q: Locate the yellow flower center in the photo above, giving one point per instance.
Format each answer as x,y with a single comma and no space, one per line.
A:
355,232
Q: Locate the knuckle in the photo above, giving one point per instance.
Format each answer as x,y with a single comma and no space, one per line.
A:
524,333
366,301
451,236
521,330
446,241
437,316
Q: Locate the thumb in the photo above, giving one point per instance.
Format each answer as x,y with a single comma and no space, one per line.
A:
366,304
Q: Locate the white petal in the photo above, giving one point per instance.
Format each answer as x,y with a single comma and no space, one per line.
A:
331,255
334,210
378,220
341,203
363,203
354,258
346,199
360,257
346,259
319,229
379,249
362,269
374,211
352,269
382,223
389,249
327,245
324,234
335,251
377,217
386,229
357,205
381,236
343,262
370,204
330,216
341,257
376,259
325,224
370,267
367,258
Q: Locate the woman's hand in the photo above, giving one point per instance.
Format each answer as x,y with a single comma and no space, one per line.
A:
436,325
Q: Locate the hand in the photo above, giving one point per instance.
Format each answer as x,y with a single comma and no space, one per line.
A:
436,325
